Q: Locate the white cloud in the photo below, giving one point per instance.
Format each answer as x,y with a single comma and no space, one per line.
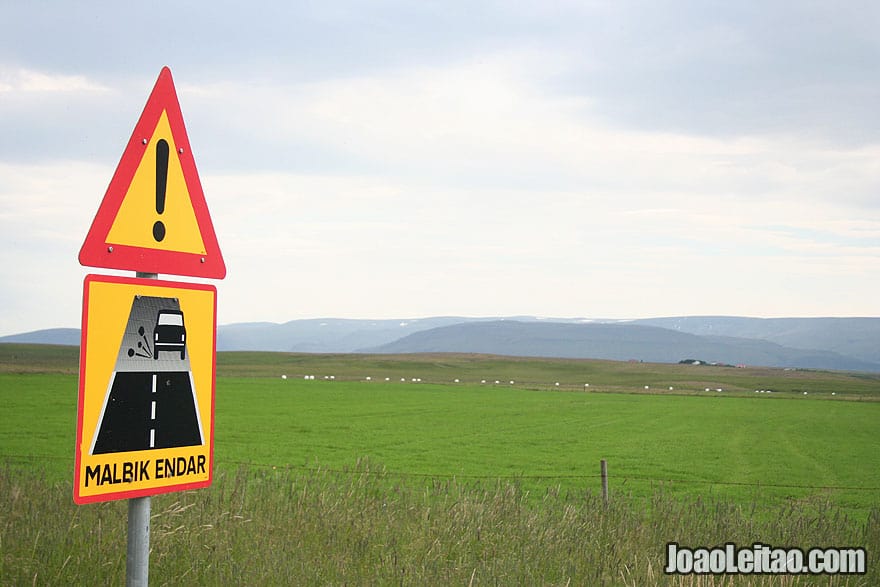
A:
45,214
490,123
51,201
28,81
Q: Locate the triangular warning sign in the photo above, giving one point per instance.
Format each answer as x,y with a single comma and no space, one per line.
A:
154,218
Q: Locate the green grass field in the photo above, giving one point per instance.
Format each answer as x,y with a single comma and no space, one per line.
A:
683,464
733,443
731,446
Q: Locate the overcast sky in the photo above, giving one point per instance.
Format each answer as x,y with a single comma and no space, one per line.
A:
406,159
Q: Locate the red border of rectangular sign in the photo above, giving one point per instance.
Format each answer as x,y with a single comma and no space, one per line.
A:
110,496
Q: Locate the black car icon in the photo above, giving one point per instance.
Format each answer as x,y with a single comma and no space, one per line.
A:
169,333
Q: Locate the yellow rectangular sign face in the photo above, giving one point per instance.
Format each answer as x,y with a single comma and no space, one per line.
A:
145,417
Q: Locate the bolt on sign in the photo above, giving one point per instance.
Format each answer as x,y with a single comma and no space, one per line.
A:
145,415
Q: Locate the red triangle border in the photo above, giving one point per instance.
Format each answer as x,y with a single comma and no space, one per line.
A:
96,251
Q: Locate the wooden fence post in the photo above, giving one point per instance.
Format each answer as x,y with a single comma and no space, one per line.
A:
604,481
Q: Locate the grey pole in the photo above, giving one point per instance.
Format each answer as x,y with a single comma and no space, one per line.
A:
137,562
137,554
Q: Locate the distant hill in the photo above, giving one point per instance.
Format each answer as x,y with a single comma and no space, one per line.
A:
618,342
821,343
322,335
65,336
853,337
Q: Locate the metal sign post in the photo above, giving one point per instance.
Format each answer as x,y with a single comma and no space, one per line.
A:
137,553
145,413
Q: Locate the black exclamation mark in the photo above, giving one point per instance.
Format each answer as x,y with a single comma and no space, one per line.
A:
161,181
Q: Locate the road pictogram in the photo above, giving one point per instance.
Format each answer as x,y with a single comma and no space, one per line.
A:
151,401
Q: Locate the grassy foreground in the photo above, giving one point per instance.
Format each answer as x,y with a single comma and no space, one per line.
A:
356,527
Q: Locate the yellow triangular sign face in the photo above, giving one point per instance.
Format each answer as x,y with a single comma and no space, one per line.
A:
141,205
153,218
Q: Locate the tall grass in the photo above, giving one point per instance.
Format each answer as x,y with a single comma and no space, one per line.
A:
360,527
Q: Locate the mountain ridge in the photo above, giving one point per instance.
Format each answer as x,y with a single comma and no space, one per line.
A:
827,343
617,341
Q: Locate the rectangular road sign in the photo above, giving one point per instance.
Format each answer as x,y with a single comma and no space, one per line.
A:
145,417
